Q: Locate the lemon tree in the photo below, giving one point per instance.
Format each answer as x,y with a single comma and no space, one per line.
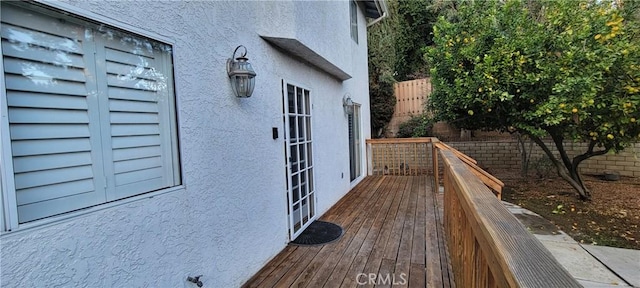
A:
566,69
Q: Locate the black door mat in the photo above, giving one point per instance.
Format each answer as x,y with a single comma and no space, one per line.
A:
318,233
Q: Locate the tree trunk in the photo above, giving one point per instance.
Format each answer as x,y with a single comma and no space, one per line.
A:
578,159
583,192
567,169
525,156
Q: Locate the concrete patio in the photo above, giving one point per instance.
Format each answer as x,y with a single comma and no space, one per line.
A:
593,266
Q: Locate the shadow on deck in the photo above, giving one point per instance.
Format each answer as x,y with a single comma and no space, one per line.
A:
393,236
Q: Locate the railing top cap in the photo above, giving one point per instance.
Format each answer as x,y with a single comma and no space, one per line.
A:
402,140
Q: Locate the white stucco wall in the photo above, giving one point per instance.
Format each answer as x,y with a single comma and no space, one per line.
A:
230,218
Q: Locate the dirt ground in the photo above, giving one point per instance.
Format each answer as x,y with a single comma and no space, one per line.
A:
611,218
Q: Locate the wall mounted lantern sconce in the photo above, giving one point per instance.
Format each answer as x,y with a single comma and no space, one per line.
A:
241,74
347,104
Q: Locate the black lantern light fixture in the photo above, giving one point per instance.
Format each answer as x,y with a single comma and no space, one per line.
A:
347,104
241,74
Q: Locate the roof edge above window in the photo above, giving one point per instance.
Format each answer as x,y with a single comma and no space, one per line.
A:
375,10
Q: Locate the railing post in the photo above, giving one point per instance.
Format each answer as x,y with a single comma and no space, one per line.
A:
369,159
403,164
436,171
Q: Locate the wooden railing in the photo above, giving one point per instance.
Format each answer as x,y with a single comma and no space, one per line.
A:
398,156
491,181
411,156
488,247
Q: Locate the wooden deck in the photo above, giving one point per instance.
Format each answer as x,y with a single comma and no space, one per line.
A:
393,237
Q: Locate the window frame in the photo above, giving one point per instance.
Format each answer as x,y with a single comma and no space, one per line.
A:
355,126
353,20
8,203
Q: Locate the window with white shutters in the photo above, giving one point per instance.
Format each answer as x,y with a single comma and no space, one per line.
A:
90,114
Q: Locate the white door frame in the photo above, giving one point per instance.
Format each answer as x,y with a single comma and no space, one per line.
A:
301,196
355,148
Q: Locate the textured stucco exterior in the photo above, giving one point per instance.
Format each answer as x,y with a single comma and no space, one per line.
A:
230,217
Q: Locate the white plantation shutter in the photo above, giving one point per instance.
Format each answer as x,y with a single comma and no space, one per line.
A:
137,85
352,163
354,143
90,111
55,156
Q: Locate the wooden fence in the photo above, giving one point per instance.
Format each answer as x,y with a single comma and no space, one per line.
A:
488,247
410,99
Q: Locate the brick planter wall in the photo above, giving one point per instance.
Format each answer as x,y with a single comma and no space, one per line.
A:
504,154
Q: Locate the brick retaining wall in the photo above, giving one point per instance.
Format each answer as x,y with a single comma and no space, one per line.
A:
504,154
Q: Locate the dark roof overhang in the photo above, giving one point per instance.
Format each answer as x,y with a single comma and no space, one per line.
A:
372,9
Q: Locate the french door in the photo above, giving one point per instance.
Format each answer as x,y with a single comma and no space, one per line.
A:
299,163
355,152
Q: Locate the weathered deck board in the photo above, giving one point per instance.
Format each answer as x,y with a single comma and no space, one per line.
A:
434,243
445,264
392,231
367,246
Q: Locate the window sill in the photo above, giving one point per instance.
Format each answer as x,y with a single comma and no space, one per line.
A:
70,216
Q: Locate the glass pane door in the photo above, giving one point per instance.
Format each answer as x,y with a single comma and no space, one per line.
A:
355,152
298,150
